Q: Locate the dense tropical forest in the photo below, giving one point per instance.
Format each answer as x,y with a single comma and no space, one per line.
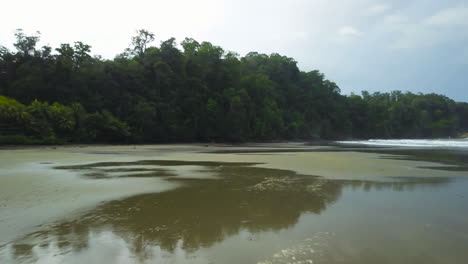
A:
192,91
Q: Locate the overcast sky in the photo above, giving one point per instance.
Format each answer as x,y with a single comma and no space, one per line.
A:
374,45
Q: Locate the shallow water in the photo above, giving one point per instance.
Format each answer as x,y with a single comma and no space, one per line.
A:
190,207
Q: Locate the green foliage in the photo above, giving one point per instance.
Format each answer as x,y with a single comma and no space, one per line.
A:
405,115
26,45
200,93
140,42
12,111
41,123
27,140
104,127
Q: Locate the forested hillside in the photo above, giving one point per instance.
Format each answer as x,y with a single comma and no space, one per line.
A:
191,91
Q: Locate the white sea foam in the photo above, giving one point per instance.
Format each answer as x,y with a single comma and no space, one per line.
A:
420,143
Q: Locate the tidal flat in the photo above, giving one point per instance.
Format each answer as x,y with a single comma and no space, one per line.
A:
253,203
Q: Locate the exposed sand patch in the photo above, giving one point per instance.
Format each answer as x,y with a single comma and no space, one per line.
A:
33,193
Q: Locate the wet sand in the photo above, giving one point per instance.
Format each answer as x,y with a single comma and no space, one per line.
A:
214,193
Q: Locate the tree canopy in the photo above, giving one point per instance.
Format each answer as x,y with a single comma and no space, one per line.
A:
192,91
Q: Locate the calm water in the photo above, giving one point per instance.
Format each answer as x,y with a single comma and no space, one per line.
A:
240,212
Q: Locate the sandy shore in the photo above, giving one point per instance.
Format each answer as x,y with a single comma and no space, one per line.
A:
33,193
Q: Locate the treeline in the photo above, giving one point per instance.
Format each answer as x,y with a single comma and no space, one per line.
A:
40,123
195,92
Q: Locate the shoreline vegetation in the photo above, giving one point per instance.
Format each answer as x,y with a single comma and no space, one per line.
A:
196,92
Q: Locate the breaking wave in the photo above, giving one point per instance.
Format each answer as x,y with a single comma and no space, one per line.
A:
420,143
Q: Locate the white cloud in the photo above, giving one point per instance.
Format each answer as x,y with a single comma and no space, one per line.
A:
107,25
377,9
449,17
349,31
299,35
442,27
395,19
